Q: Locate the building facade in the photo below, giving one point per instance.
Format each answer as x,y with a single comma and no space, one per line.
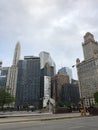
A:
28,82
46,71
3,77
67,71
46,58
57,81
88,69
70,94
13,71
47,67
47,90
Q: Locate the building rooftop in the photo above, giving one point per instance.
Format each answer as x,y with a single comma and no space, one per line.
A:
31,57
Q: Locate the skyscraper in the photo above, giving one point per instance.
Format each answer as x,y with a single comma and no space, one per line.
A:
13,71
57,81
28,82
90,46
67,71
48,70
88,69
44,58
70,94
16,54
3,77
46,74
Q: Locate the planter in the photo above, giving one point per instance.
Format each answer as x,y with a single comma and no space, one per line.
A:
63,110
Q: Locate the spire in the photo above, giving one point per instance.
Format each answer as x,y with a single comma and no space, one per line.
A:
16,54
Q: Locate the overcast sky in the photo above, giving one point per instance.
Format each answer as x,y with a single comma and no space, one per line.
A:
55,26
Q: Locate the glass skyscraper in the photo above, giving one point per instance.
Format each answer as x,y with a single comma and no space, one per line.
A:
46,58
3,77
28,82
48,70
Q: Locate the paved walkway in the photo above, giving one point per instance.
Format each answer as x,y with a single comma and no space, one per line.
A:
21,114
37,117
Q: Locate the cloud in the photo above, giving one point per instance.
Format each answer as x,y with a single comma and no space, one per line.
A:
56,26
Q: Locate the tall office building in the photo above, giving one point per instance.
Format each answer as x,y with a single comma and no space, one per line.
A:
44,58
28,82
13,71
48,70
46,74
3,77
67,71
70,94
88,69
57,81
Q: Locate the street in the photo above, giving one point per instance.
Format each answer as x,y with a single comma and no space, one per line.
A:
84,123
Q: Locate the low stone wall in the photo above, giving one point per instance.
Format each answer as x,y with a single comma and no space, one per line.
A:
63,110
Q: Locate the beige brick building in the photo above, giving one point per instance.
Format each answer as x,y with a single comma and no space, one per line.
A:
88,69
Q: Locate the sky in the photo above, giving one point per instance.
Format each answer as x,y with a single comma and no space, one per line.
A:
55,26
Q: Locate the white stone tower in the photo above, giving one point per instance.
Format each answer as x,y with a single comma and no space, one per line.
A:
13,71
16,54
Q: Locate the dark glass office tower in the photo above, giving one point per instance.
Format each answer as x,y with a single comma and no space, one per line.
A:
28,83
3,77
48,68
46,71
70,94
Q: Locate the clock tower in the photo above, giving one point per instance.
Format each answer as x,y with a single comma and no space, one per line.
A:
90,46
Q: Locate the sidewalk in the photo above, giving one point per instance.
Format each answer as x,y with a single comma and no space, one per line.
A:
21,114
38,117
